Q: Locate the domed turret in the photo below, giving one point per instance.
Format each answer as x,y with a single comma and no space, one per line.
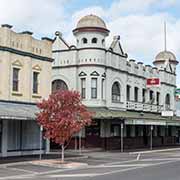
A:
91,23
165,57
91,31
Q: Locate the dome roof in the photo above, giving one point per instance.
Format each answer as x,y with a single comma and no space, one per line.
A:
91,21
164,56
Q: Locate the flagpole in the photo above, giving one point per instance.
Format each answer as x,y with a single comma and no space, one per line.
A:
165,40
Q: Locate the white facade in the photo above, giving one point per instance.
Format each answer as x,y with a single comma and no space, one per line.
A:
87,60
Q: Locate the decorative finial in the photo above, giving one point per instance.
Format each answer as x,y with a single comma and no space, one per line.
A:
58,33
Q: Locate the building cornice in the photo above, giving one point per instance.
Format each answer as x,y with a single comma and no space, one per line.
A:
107,67
23,53
90,48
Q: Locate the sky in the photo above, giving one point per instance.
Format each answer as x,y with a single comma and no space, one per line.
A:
138,22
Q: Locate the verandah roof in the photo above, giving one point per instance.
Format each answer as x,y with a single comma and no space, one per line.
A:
17,110
134,117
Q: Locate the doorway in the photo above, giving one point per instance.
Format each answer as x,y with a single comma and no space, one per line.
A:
93,135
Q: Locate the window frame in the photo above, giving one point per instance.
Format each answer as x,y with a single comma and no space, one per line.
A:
83,88
94,40
84,40
136,91
94,89
36,82
116,96
15,81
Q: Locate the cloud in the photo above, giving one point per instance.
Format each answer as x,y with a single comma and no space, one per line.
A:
42,16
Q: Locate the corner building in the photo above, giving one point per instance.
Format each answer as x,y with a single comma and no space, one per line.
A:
114,87
25,78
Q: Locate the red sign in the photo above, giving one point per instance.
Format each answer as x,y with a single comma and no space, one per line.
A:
153,82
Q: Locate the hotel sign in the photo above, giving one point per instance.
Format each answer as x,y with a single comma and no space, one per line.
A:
153,82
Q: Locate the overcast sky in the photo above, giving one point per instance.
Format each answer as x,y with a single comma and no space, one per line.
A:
138,22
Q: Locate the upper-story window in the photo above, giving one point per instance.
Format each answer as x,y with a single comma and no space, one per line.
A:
84,41
128,88
59,85
157,98
151,96
83,88
136,94
103,89
35,82
116,92
103,42
94,88
15,79
143,95
94,40
167,101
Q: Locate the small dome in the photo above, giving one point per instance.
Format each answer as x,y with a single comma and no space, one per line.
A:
91,21
164,56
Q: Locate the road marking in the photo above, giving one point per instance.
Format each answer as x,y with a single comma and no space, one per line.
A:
123,165
154,151
73,175
133,168
23,170
160,159
138,156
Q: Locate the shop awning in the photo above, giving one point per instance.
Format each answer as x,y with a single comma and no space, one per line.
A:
134,117
17,110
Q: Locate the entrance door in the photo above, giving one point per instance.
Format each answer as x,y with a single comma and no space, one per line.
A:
93,135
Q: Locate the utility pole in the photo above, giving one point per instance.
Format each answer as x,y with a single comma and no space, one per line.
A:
151,136
80,151
40,142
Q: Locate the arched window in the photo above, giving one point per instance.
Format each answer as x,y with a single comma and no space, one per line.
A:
59,85
84,40
128,89
116,94
94,40
103,41
167,101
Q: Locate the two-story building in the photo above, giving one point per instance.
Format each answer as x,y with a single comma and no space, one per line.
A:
127,111
25,78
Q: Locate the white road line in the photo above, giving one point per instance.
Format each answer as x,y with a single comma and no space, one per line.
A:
123,165
154,151
121,162
160,159
23,170
123,170
72,175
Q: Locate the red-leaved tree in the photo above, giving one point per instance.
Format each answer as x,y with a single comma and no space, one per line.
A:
62,115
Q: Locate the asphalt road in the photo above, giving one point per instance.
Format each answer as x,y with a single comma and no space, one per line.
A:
104,166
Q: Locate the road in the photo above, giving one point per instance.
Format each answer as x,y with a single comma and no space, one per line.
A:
104,166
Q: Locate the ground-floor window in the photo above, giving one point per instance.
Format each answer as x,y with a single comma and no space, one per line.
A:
128,131
139,130
23,135
115,130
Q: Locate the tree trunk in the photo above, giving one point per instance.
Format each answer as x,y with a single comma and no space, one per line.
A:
62,153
